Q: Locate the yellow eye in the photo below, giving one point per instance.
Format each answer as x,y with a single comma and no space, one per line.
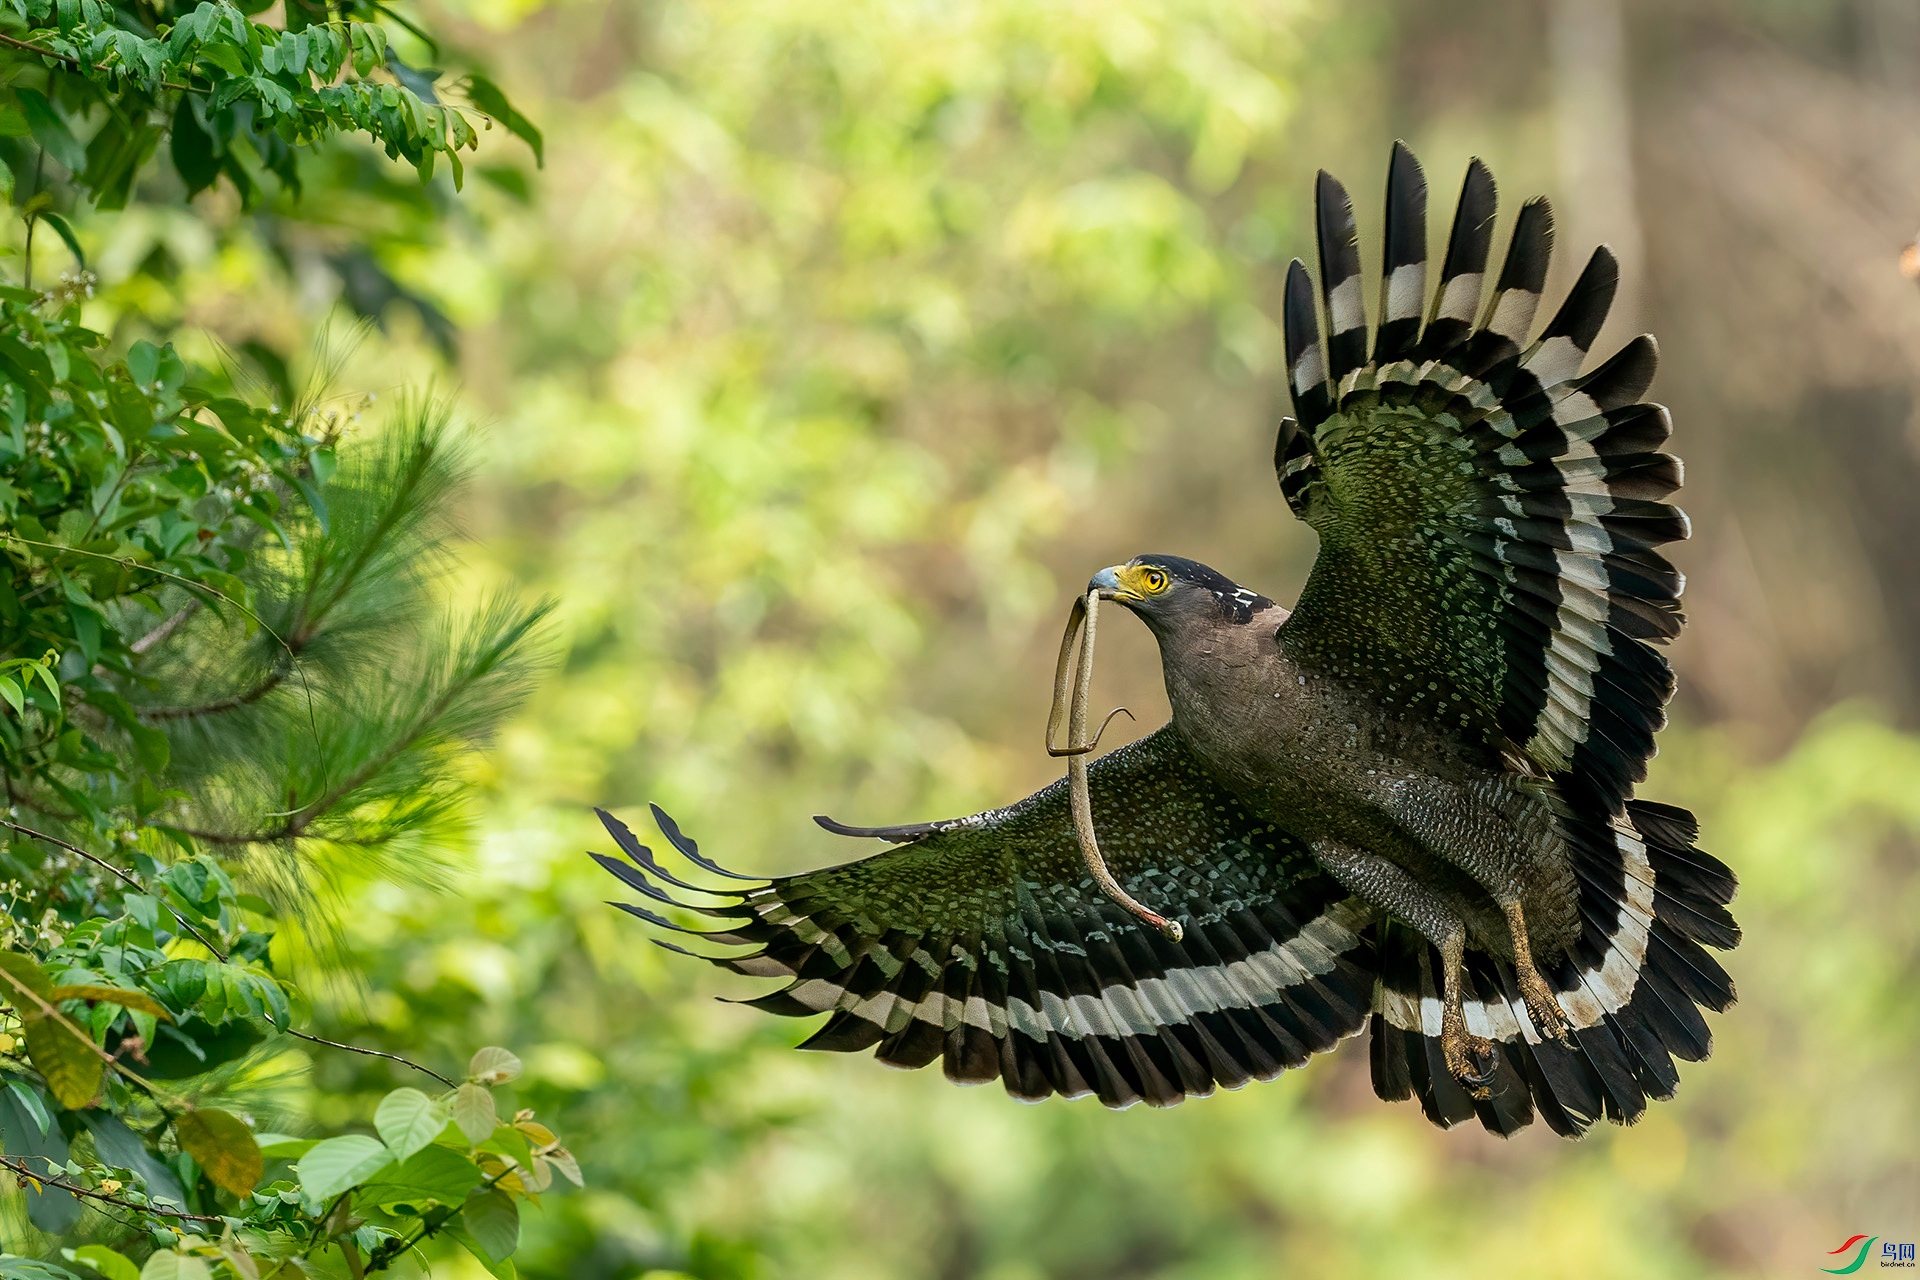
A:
1154,581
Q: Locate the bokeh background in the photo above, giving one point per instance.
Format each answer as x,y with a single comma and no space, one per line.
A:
835,344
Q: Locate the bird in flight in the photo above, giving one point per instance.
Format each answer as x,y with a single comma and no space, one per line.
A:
1404,806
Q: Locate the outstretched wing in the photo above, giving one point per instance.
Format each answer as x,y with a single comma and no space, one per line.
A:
983,941
1488,518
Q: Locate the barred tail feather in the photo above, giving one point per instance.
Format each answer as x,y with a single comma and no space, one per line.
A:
1635,987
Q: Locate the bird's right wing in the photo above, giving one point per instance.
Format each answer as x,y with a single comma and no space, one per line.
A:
984,941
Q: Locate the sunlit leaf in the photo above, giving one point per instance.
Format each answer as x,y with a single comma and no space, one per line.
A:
493,1065
174,1266
113,1266
569,1168
473,1110
337,1164
408,1120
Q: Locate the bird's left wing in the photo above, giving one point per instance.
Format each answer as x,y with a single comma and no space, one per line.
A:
1489,518
983,941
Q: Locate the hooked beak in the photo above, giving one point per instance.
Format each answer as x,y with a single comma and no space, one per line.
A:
1107,584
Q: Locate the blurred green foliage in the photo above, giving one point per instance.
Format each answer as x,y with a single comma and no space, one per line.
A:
229,671
821,333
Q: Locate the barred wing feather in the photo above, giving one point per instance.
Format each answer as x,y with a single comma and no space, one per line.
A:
1489,518
982,942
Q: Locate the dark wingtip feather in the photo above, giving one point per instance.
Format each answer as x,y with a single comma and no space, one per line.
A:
1339,246
1471,240
1406,208
1532,248
688,849
904,833
1306,363
1625,377
1456,300
1582,315
1403,273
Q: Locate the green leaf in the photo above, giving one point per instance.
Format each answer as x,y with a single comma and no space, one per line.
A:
501,1270
112,1265
12,1268
493,1065
225,1148
408,1120
121,1147
50,131
34,1105
434,1175
65,232
175,1266
493,1220
486,95
337,1164
8,688
474,1112
284,1145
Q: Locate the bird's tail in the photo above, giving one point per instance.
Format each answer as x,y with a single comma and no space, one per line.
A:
1633,987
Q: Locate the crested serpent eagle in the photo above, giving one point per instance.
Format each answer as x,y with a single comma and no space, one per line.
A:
1405,806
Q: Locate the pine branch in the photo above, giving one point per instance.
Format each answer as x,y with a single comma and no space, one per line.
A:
160,633
502,646
219,705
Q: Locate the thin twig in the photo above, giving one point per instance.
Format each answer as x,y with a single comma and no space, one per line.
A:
371,1053
104,865
20,1168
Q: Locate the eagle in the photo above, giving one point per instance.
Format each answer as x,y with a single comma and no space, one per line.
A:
1405,806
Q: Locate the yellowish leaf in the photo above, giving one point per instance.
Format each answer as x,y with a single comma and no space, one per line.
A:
538,1134
69,1061
224,1146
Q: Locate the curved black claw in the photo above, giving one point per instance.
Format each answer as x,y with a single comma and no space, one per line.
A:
1483,1063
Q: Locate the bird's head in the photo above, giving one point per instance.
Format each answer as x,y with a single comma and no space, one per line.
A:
1171,592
